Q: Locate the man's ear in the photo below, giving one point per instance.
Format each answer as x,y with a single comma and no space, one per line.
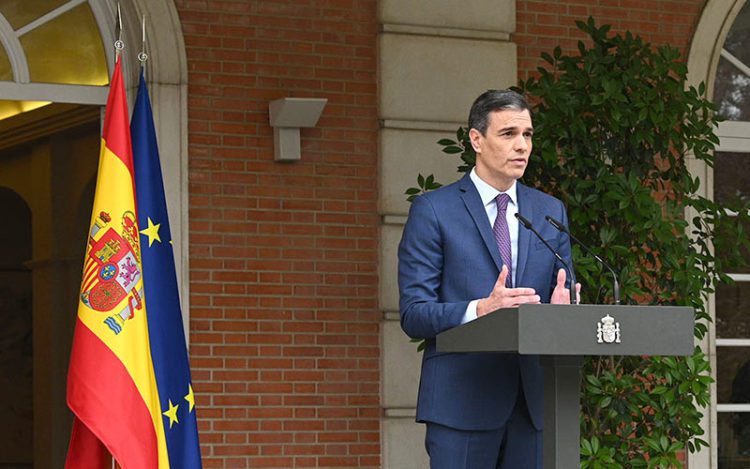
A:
475,137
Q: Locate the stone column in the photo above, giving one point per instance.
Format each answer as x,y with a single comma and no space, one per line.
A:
60,169
435,58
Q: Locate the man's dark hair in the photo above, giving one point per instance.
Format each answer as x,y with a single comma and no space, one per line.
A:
494,100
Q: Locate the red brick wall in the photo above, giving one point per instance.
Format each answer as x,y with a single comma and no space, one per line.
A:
284,319
544,24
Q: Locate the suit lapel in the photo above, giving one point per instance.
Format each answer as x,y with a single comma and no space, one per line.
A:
474,205
525,208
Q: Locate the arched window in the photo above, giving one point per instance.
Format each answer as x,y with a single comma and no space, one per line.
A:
42,61
731,179
720,57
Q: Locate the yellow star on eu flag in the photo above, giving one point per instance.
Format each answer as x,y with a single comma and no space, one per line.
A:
172,413
190,397
152,232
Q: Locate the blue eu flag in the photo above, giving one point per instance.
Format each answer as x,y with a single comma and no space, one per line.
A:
166,333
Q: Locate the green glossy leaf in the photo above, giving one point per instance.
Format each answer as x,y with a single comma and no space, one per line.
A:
614,122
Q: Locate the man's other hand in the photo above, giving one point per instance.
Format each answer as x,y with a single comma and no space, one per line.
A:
504,297
561,295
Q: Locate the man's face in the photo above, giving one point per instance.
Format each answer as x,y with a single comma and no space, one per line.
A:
503,152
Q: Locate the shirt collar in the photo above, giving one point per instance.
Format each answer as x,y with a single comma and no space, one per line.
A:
487,192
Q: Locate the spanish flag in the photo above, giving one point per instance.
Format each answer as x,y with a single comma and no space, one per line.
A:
111,383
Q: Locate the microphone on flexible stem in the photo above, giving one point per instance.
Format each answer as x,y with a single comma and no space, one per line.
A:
564,229
527,224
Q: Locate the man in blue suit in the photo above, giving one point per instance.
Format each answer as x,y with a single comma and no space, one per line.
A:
459,260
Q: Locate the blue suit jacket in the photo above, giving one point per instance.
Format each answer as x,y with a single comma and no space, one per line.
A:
448,257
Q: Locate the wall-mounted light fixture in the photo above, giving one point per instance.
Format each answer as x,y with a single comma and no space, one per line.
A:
287,115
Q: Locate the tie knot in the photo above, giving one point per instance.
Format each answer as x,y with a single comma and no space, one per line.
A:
502,202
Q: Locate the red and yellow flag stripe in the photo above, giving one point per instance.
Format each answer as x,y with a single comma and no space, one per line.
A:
111,384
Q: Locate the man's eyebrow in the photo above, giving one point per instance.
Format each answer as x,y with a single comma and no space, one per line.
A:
514,127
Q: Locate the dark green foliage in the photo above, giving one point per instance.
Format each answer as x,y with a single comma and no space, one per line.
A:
615,128
425,184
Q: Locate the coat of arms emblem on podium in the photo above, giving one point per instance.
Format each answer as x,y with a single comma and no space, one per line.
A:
608,331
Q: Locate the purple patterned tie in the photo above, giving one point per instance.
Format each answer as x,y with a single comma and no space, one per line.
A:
502,235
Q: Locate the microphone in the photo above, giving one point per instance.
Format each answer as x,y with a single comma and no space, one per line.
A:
527,224
564,229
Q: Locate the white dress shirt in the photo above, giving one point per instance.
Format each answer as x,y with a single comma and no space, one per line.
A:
488,194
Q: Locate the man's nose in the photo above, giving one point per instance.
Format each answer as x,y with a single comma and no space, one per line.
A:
521,144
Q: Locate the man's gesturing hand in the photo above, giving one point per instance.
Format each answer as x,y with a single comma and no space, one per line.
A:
503,297
561,295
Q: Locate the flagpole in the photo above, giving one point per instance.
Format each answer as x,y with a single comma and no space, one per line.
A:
119,44
142,55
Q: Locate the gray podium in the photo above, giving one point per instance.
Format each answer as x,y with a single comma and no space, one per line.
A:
562,335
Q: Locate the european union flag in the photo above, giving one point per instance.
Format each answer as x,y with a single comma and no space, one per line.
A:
166,333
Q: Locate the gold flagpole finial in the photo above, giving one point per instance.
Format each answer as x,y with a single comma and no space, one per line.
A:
143,56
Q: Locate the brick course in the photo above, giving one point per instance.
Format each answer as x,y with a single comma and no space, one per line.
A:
284,279
542,25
